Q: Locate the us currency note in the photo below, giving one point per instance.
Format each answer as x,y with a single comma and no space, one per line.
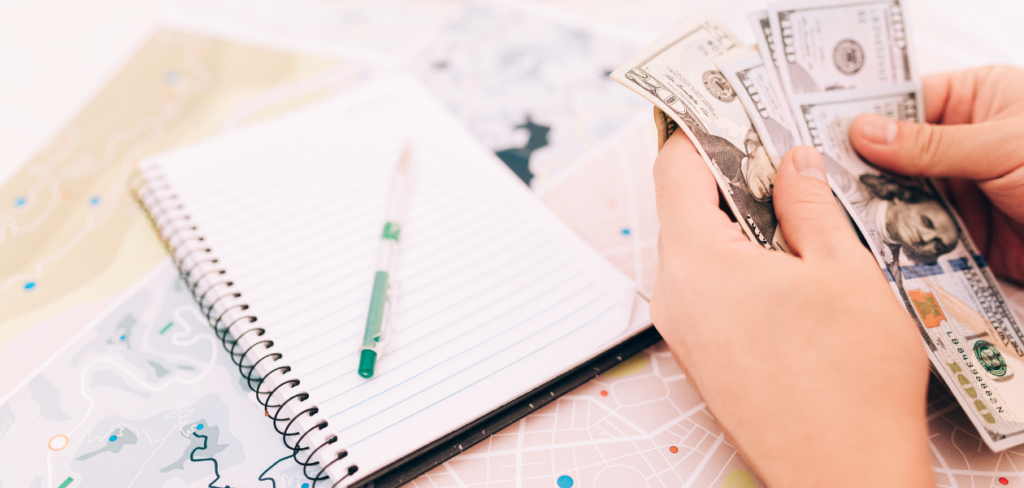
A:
974,340
841,44
759,22
771,115
677,73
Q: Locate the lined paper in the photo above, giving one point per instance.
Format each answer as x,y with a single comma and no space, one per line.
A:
494,296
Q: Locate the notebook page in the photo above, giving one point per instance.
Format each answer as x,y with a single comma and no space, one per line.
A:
495,295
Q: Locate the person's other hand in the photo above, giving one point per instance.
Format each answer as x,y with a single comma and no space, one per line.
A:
808,362
978,143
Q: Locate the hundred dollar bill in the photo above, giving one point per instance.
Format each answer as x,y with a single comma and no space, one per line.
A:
771,115
677,73
769,50
841,44
974,340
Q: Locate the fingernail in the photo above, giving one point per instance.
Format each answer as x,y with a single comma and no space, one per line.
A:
808,162
879,130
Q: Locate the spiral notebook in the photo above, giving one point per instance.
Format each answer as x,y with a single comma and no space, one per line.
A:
275,228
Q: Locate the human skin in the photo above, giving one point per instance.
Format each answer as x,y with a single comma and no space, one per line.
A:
975,140
811,366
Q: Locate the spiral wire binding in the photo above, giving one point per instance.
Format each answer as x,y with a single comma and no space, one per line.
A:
196,262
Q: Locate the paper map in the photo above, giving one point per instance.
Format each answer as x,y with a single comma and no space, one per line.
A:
145,396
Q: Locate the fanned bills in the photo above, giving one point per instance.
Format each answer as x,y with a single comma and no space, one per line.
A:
766,42
772,116
973,338
677,73
819,65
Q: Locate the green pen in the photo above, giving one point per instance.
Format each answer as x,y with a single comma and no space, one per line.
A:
381,304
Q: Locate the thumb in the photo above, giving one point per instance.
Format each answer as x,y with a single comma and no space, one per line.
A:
970,151
807,211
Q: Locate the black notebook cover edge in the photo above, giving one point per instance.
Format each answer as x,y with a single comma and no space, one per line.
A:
434,454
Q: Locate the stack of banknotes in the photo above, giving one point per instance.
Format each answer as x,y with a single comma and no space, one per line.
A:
816,66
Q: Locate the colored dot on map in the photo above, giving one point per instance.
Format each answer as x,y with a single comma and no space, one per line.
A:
30,285
113,438
564,481
1004,481
20,201
171,77
305,485
604,392
673,449
200,427
95,200
123,337
625,232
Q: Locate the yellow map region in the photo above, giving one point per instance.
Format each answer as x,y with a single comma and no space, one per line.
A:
70,233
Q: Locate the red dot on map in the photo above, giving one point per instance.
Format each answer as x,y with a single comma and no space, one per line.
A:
673,449
1004,481
604,392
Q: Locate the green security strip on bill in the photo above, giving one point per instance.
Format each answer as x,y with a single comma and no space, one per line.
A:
840,44
974,340
678,75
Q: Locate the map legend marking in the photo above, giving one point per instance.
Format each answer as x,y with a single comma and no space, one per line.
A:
673,449
113,438
94,200
20,201
30,285
168,326
1004,481
66,483
604,392
564,481
625,232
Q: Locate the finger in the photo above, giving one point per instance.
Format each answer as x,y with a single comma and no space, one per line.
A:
808,213
972,151
687,198
951,98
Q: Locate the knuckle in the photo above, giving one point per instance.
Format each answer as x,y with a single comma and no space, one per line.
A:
927,144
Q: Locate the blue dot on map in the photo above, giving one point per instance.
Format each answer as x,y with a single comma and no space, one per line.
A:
30,285
564,481
625,232
199,427
95,200
113,438
123,337
20,201
171,77
305,485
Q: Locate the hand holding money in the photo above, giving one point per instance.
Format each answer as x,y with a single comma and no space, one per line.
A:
782,348
819,65
979,145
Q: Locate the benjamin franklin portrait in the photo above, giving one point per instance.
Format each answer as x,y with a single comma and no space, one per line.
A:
909,219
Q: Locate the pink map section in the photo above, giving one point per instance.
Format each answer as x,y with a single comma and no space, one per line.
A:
642,425
639,425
